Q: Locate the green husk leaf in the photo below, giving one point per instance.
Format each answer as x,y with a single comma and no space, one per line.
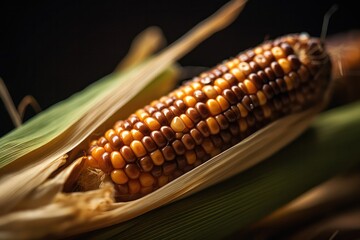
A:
45,126
329,147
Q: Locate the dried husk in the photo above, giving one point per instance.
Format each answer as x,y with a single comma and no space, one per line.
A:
84,211
31,153
327,148
43,209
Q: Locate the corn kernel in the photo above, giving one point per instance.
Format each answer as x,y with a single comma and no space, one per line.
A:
141,114
209,91
224,104
196,85
152,123
90,161
157,158
278,52
239,75
163,180
117,160
134,186
98,152
177,124
146,180
213,106
126,137
187,121
119,176
213,125
285,65
190,101
138,148
136,134
262,98
190,157
250,86
243,111
245,68
188,90
221,83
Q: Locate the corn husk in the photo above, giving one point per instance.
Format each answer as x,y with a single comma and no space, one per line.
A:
34,151
316,211
329,147
37,206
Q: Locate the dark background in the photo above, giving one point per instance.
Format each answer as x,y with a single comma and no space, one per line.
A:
52,49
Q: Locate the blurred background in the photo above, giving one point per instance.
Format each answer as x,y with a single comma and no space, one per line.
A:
52,49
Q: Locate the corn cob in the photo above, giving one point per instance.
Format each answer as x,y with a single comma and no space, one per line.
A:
210,113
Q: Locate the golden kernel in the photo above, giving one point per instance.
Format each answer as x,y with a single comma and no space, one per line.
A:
209,91
108,148
217,89
278,52
179,94
285,65
117,160
118,130
236,61
126,137
213,125
136,134
187,121
152,123
119,176
196,85
190,157
245,68
93,143
224,104
146,180
262,98
213,106
177,124
141,114
261,61
229,64
188,90
109,134
258,50
239,75
90,161
250,86
157,157
138,148
97,153
243,110
222,83
189,101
